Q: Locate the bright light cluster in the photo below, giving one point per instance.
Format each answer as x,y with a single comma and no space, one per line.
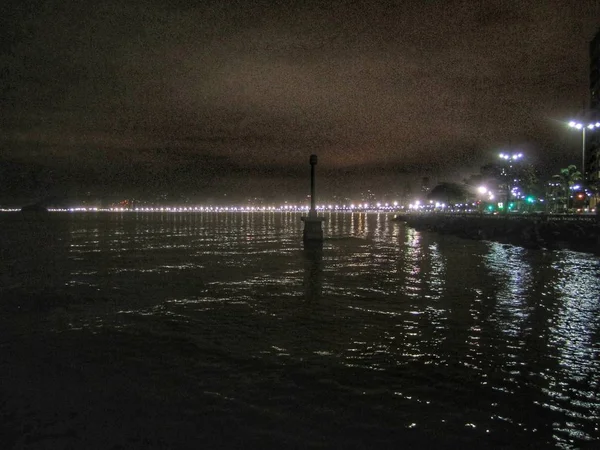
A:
484,191
514,156
580,126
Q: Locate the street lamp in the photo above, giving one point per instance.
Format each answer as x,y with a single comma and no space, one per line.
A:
513,157
582,127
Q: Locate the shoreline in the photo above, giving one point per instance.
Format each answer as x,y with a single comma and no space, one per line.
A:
577,233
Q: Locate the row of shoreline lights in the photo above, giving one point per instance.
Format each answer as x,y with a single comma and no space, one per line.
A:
583,127
393,205
432,206
378,206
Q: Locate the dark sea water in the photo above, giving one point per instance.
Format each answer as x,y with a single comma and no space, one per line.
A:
209,330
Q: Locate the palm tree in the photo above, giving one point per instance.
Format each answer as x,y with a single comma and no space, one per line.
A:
567,178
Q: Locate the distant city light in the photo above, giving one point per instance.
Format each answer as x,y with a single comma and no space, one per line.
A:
284,207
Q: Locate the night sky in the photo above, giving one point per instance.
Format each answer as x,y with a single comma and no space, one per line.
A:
215,97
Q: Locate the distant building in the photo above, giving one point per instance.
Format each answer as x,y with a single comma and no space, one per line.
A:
368,197
407,193
593,162
556,197
425,186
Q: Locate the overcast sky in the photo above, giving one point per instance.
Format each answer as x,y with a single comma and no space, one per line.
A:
234,96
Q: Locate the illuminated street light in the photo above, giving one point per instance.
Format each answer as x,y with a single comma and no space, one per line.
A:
482,189
514,156
582,127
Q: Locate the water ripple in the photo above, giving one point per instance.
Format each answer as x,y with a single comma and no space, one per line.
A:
387,330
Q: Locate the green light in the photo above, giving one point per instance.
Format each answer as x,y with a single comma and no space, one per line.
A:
511,205
530,199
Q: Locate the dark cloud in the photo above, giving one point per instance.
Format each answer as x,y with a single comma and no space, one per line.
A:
217,91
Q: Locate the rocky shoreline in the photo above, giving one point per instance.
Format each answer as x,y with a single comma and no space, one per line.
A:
533,231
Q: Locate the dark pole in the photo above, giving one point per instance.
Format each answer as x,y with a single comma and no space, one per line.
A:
313,163
313,224
508,189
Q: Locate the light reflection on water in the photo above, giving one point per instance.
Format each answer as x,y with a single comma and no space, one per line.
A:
469,342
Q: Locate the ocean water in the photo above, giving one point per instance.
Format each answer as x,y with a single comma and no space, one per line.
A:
218,330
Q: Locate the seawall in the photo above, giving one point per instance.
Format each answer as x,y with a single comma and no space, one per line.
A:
579,233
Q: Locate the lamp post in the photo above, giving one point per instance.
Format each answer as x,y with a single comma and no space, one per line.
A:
582,127
313,163
313,224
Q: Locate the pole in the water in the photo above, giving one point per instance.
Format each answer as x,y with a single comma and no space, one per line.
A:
313,225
